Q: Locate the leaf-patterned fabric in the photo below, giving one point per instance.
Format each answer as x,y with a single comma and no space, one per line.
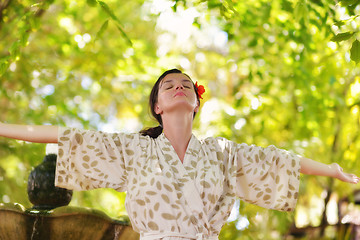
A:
167,199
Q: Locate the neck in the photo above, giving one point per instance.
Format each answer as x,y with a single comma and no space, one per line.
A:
178,130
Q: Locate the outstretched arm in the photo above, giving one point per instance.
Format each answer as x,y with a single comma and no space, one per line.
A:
312,167
29,133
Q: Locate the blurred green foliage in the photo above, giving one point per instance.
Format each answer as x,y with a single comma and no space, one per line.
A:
280,72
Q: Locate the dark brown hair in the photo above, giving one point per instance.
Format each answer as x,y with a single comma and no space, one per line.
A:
156,131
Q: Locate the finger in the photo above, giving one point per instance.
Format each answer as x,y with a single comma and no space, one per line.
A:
347,177
354,178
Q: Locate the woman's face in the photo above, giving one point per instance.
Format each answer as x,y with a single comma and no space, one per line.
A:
176,92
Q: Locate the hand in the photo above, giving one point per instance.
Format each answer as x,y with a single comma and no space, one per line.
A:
345,177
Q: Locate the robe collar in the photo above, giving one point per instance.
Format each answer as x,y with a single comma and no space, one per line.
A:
192,149
191,199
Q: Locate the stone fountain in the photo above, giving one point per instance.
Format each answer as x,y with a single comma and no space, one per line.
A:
51,218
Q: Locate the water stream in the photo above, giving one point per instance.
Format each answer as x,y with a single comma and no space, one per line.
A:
34,229
117,232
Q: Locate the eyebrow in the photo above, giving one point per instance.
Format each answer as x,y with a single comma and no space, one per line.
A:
171,80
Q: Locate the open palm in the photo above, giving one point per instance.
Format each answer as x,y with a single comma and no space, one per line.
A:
345,177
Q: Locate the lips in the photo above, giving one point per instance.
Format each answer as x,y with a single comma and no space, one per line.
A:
179,94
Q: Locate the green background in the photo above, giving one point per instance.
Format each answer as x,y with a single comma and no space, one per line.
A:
278,72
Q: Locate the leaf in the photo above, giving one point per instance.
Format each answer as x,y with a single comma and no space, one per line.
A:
300,10
345,3
102,30
107,9
287,6
14,50
24,39
342,36
176,4
230,6
346,21
355,51
340,23
91,3
124,35
34,23
3,67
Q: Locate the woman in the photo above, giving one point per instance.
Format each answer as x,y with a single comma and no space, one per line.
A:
178,187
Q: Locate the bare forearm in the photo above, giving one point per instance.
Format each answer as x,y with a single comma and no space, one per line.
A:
312,167
29,133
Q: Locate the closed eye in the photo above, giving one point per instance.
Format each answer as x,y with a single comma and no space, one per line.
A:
168,84
171,86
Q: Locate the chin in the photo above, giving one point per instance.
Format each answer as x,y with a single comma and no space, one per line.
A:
180,106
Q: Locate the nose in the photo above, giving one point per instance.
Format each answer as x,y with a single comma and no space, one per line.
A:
179,86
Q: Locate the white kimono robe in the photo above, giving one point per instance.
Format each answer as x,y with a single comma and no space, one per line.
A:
167,199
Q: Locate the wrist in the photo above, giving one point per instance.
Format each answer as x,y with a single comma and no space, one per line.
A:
334,170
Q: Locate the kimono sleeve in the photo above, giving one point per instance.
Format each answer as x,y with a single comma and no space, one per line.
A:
93,159
268,177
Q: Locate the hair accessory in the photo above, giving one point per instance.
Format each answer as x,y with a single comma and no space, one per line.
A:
200,90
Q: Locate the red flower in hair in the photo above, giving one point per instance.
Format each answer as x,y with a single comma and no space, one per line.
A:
200,90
